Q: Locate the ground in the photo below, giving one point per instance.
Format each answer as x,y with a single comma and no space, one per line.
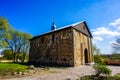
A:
64,73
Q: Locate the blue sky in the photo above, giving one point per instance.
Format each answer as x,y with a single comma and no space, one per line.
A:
36,16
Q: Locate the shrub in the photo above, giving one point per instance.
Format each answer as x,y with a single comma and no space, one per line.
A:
7,54
101,69
98,59
117,76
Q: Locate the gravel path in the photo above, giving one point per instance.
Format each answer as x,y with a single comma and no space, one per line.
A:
72,73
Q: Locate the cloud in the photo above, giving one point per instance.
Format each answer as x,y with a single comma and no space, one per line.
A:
95,38
102,34
105,32
104,37
116,23
98,38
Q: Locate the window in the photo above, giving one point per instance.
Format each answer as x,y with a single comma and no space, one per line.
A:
64,59
53,38
42,40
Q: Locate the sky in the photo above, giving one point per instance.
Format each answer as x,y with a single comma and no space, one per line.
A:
36,16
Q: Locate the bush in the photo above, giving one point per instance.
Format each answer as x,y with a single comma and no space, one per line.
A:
98,59
117,76
101,69
100,78
7,54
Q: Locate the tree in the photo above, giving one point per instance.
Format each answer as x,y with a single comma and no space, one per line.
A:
4,27
14,43
19,43
116,46
25,45
97,55
96,51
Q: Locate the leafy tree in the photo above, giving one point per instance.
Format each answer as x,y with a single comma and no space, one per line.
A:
116,46
15,41
25,45
19,43
4,27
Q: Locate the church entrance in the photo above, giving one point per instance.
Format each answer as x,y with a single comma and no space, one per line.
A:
86,55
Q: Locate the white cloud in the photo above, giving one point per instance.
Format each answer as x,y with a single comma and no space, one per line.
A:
105,32
102,33
104,37
98,38
116,23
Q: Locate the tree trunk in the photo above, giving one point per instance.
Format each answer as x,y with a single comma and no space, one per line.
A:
14,56
23,59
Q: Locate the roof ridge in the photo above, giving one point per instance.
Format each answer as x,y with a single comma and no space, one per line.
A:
71,25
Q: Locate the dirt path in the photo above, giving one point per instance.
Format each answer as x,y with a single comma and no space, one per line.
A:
72,73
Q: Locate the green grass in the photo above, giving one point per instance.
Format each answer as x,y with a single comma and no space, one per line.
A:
6,68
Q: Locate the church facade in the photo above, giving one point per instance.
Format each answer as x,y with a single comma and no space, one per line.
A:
67,46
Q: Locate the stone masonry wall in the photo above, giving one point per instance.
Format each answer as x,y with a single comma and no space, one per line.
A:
82,42
53,49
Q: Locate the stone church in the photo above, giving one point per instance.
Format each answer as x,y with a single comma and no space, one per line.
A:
66,46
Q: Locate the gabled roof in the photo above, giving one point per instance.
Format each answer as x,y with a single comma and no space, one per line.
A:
79,26
68,26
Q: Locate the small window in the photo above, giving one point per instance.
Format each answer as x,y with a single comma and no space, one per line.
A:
42,40
53,38
64,59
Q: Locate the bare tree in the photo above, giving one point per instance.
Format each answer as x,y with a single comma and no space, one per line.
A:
96,51
116,46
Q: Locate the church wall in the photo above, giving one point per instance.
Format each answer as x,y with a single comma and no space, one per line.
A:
53,49
81,42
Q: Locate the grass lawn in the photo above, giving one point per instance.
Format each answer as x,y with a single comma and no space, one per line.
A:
10,68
